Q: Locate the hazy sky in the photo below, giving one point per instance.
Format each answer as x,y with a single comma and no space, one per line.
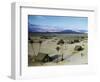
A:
60,22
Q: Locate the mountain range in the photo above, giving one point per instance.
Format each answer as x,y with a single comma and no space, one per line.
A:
42,28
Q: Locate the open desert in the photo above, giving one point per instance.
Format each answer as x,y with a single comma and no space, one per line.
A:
46,49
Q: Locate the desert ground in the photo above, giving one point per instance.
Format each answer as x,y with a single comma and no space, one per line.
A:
57,49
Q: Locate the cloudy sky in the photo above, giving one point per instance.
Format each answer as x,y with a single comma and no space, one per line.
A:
59,22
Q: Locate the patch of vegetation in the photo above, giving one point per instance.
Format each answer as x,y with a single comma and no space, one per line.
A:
78,48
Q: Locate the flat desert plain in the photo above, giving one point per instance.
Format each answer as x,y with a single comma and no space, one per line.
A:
49,49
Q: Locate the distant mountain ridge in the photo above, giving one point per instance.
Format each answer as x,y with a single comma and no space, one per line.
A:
70,31
84,31
47,29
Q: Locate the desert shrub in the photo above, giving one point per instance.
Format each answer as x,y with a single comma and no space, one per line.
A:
44,37
60,42
82,37
76,40
70,42
31,41
57,48
78,48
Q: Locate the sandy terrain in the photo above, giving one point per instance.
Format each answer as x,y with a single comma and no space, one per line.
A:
48,46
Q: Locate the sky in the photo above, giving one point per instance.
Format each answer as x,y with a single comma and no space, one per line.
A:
60,22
